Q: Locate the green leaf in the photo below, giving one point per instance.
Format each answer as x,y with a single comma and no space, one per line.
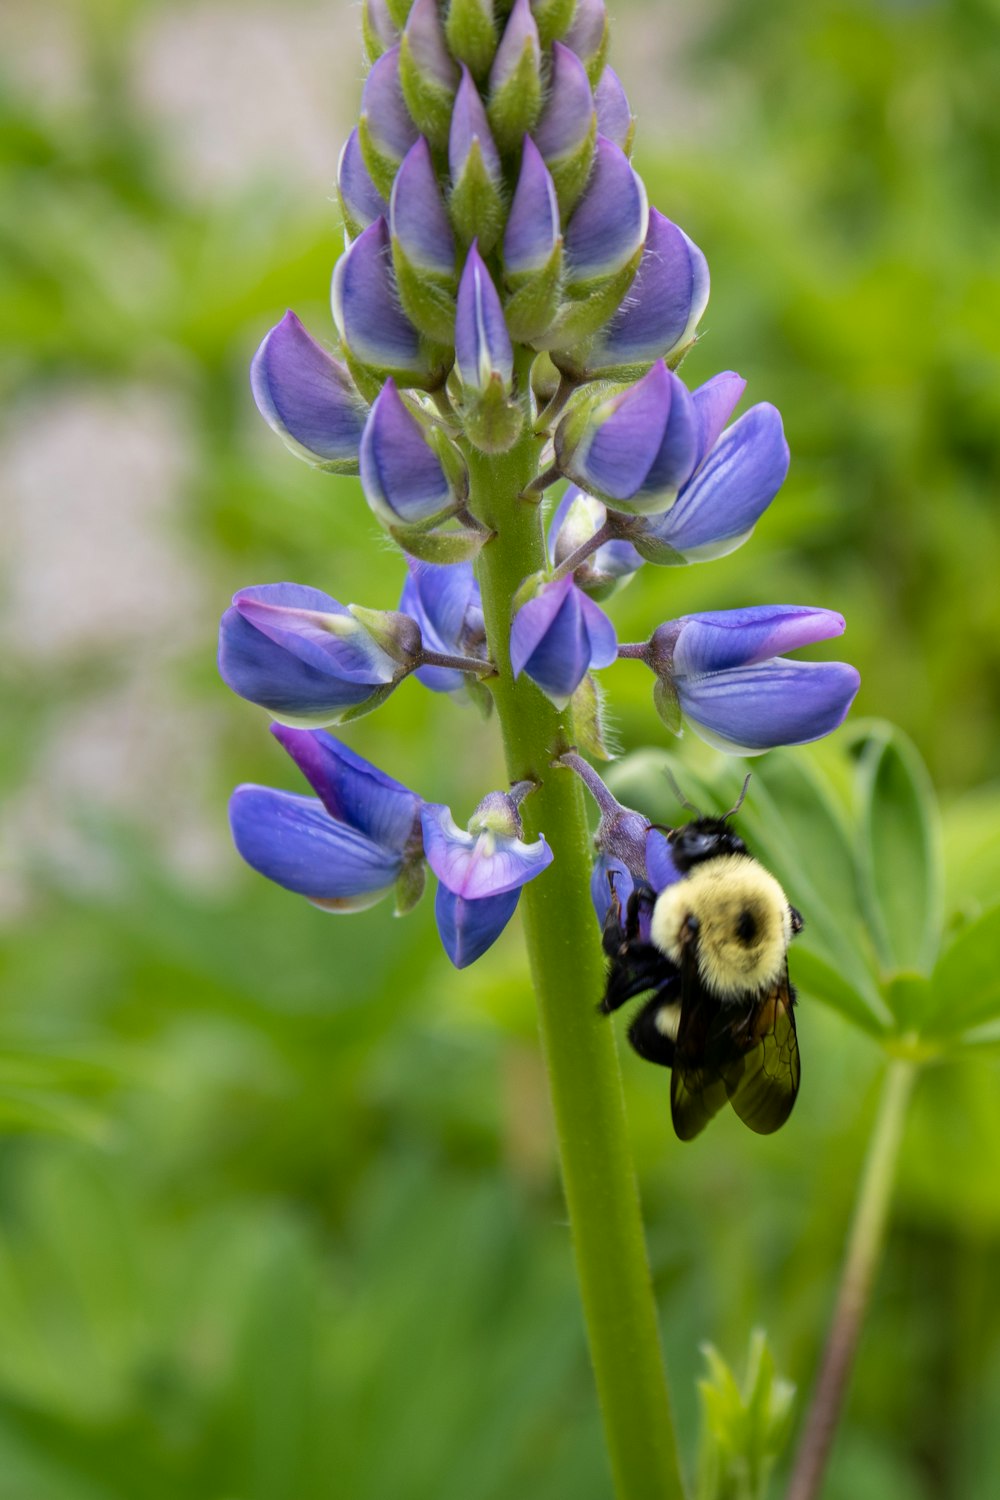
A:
899,851
966,982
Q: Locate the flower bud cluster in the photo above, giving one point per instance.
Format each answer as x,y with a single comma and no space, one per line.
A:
504,281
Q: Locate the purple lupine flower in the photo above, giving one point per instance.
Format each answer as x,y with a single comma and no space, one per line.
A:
372,325
532,232
736,477
380,31
386,129
608,226
557,636
470,133
515,81
483,351
418,217
308,659
343,849
614,114
633,449
568,116
402,475
724,672
481,871
577,519
658,317
588,34
445,602
308,398
361,203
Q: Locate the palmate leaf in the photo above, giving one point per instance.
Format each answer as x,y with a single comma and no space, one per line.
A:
744,1428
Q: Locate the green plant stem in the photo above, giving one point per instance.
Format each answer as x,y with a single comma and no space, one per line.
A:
864,1247
567,967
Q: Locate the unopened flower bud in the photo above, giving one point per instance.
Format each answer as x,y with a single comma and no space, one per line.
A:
378,29
423,246
427,72
385,130
614,114
567,126
588,36
557,636
516,79
657,319
373,328
402,475
361,203
472,34
308,398
532,249
476,204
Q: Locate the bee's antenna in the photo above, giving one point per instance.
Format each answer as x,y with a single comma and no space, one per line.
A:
679,794
739,801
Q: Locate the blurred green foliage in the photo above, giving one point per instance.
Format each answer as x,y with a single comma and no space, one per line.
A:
278,1207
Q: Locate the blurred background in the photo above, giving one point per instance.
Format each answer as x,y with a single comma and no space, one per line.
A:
279,1214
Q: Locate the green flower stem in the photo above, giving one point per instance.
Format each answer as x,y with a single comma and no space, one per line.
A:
864,1248
568,971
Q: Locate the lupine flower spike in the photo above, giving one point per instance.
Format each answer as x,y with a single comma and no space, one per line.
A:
509,313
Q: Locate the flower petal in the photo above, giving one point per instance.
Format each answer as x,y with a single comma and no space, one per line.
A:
468,124
351,789
401,475
660,865
294,841
606,865
610,453
384,110
533,620
777,702
370,321
361,201
445,602
731,491
306,396
418,217
601,632
720,639
565,121
715,402
533,222
614,114
468,928
664,303
609,223
482,864
482,344
308,624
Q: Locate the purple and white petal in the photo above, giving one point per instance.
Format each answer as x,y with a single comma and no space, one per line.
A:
469,124
566,119
601,633
587,31
562,657
533,621
614,114
751,709
425,43
663,306
532,230
401,475
610,222
351,789
384,110
482,343
362,201
715,402
677,454
293,841
475,865
418,217
614,450
469,928
316,629
520,32
727,496
718,640
368,316
306,396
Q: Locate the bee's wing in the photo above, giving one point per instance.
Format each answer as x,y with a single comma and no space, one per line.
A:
763,1082
697,1088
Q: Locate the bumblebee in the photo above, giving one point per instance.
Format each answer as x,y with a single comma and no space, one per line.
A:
713,950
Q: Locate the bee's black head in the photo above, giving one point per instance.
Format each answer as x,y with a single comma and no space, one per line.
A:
701,839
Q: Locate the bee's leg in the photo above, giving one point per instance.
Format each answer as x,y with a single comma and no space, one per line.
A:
653,1033
797,920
